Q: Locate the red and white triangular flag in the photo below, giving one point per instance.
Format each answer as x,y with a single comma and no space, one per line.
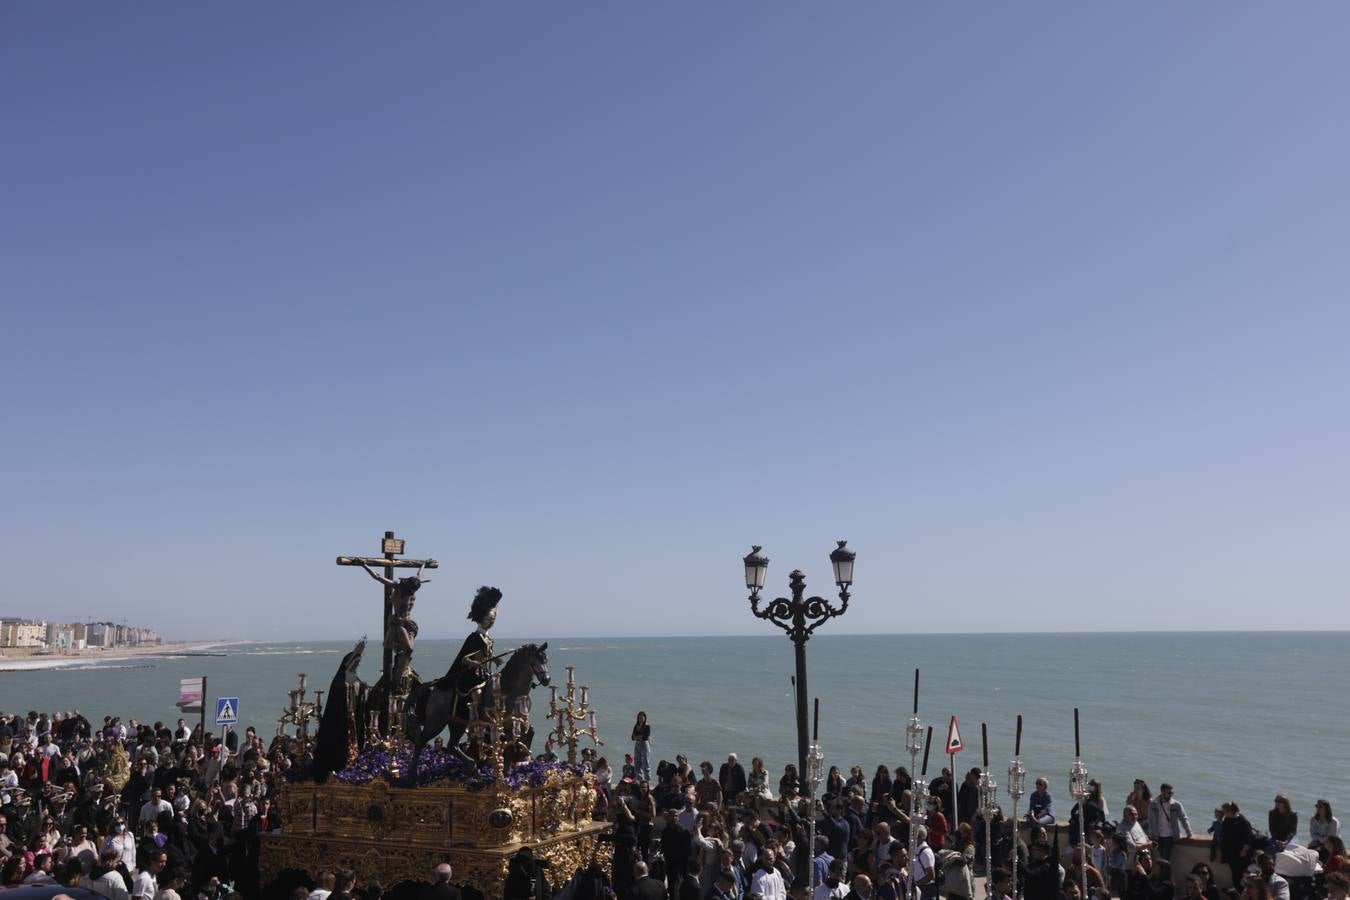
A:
954,744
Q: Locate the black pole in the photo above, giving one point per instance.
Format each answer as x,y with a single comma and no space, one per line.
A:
984,743
387,665
916,693
1077,747
800,645
1017,748
815,722
927,744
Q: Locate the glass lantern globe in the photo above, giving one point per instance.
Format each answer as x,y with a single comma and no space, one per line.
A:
841,559
756,569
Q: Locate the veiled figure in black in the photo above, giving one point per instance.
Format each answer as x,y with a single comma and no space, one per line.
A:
336,744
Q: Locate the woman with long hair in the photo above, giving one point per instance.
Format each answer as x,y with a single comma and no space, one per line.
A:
1282,819
834,782
1336,859
1322,826
881,784
1140,798
642,748
757,782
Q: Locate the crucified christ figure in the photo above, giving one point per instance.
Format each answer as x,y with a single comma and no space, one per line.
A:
400,633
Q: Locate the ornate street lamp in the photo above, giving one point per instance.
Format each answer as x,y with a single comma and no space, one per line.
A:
798,617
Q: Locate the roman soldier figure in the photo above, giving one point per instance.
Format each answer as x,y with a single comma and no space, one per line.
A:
472,666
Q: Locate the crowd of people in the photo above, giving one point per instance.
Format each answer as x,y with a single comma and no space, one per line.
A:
724,833
133,810
152,812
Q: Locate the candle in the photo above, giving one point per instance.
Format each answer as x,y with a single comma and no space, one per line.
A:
302,684
584,691
552,695
592,720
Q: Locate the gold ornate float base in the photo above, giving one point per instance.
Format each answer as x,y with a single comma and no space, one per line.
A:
401,834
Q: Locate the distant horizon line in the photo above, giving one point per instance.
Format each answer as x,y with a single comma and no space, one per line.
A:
1343,629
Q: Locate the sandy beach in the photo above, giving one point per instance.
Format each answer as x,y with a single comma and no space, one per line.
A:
24,659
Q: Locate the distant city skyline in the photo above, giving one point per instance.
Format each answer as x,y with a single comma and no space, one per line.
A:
1043,309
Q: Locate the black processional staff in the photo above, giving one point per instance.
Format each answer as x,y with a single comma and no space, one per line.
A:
988,799
1078,789
1017,786
914,741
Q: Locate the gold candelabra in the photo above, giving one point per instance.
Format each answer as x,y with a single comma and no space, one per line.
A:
300,714
499,731
569,709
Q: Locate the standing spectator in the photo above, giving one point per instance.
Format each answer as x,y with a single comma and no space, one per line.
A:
967,797
707,788
1166,820
1140,798
106,880
642,748
1236,842
1135,838
146,885
923,869
732,779
768,882
937,823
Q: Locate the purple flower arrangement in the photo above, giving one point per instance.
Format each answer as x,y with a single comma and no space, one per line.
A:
438,765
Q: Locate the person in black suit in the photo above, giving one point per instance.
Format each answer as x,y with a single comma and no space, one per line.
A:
690,889
441,888
732,779
645,887
724,886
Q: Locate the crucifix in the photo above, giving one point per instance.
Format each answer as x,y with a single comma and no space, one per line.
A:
395,591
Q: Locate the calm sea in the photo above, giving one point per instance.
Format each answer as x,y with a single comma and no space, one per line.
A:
1219,715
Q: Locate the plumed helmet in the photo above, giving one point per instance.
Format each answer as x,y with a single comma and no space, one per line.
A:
487,598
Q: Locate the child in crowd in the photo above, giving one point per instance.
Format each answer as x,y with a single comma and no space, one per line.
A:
1097,849
1117,865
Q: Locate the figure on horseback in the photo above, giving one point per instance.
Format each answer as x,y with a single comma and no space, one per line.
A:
447,701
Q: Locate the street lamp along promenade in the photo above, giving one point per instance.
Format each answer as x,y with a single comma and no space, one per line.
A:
798,617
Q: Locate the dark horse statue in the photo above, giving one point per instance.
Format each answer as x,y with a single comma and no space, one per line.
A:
442,706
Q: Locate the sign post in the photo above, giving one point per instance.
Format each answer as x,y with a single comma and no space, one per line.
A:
192,697
954,746
227,711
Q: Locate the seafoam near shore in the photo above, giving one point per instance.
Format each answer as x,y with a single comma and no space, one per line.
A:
30,662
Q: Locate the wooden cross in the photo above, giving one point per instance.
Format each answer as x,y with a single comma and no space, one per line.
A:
392,548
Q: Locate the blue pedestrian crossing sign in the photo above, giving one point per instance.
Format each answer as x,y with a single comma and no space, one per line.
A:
227,711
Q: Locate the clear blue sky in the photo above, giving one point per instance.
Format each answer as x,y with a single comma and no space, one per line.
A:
1042,306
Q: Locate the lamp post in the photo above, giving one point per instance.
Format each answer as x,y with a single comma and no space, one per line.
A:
798,617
